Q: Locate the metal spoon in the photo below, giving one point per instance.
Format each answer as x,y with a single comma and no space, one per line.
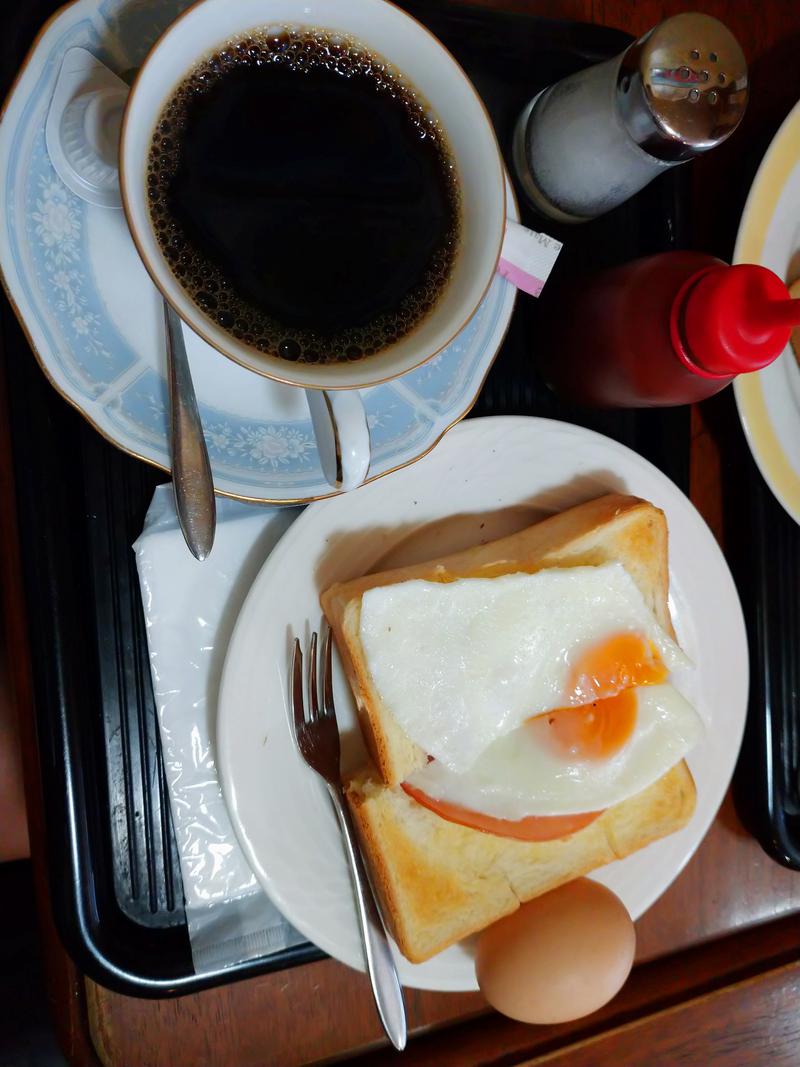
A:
191,470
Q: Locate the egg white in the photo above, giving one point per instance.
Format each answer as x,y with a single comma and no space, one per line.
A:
524,773
460,664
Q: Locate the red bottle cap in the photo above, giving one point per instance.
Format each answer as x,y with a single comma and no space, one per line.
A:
729,320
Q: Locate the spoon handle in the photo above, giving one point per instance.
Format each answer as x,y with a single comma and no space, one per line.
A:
191,470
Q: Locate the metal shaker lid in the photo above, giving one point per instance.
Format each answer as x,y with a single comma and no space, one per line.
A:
682,88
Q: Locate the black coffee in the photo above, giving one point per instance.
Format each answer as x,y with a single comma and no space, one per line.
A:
304,196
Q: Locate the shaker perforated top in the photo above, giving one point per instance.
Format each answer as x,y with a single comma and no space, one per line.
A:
683,87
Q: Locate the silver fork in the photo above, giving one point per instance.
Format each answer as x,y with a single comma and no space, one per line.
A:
317,737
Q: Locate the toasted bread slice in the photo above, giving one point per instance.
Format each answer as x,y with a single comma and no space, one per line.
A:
614,527
439,882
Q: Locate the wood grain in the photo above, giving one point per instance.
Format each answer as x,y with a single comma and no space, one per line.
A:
698,1000
751,1022
279,1020
652,987
14,842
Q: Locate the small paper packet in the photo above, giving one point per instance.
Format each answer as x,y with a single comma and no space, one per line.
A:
527,257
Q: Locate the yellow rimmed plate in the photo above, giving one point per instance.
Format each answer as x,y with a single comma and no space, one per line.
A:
769,234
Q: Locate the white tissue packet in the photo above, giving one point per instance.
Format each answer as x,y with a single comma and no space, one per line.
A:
190,609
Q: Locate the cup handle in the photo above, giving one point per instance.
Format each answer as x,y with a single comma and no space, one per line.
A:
340,427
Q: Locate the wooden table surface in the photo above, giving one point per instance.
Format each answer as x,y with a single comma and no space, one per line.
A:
719,954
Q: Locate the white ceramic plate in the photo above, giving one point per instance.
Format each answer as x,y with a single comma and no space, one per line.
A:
769,234
487,478
95,321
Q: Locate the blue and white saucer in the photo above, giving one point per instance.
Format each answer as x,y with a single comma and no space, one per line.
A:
94,319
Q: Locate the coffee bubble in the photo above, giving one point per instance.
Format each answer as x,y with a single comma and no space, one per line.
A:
215,291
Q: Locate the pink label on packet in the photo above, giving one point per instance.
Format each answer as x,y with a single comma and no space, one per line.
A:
527,257
517,276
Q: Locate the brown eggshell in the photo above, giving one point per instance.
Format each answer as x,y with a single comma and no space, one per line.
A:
558,957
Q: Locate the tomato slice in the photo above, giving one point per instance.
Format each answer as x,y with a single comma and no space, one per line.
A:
532,828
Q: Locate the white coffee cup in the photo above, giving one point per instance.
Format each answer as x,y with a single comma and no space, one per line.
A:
336,408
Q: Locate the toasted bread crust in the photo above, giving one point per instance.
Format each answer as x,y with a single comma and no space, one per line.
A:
438,881
612,527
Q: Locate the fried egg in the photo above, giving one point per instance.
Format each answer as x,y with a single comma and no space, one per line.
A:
576,759
464,663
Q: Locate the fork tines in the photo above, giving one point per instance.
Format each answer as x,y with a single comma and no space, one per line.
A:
315,730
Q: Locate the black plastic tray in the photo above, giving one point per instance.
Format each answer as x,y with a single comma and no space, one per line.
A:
115,878
766,563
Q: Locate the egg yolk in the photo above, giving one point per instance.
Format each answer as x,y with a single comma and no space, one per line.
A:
603,678
616,663
594,731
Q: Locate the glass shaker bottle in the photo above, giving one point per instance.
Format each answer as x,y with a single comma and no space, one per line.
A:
587,143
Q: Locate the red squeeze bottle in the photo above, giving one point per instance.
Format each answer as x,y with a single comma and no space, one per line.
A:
668,329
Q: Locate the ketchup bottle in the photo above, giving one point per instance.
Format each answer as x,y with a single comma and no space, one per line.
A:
668,329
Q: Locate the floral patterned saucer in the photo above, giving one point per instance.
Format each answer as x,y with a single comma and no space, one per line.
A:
94,319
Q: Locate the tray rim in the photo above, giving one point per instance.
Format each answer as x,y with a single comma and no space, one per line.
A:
75,917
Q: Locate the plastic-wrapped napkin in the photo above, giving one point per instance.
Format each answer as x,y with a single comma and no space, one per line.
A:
190,610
